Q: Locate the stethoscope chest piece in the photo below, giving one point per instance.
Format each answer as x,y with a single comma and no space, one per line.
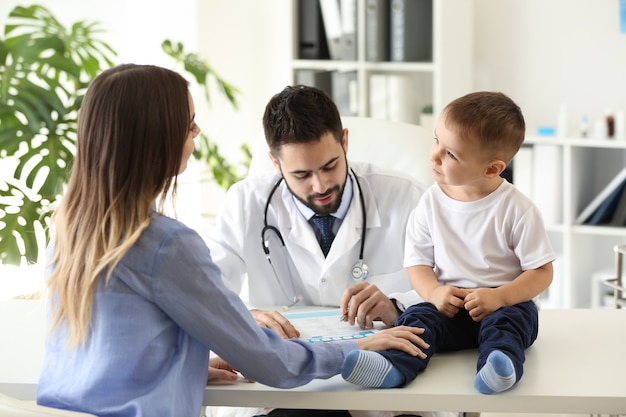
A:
360,271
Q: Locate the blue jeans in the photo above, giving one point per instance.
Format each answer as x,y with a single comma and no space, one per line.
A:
509,329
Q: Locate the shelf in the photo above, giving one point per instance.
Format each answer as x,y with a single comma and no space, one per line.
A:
576,142
416,84
325,64
566,176
599,230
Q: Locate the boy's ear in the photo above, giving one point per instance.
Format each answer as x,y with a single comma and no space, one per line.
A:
495,168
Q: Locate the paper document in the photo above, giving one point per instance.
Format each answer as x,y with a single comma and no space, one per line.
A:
326,326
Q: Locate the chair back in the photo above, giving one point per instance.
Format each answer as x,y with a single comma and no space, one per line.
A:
399,146
11,407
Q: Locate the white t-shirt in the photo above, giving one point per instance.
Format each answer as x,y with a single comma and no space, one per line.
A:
483,243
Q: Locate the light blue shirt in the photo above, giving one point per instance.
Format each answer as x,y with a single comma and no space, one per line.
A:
152,329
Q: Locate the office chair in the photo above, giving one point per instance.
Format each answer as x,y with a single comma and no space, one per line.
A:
399,146
11,407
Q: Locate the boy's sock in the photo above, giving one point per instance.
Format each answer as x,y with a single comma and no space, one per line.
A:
496,375
370,369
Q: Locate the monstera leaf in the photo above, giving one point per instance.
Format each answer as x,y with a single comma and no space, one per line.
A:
44,71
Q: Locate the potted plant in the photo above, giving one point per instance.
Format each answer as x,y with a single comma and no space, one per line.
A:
44,71
427,119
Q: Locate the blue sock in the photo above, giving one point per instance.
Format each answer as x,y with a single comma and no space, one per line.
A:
370,369
496,375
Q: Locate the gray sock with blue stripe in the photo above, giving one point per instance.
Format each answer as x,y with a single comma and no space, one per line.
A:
496,375
370,369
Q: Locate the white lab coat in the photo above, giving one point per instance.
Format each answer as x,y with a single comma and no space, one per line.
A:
234,239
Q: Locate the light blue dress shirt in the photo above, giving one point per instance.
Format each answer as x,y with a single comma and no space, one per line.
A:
152,328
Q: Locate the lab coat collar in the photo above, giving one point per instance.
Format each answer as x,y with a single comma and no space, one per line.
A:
300,232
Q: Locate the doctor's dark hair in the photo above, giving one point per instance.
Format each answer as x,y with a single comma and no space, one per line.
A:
132,128
300,114
489,119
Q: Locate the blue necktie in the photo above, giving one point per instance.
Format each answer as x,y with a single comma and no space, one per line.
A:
325,225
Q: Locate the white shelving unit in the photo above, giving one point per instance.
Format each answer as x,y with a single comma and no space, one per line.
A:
435,83
582,168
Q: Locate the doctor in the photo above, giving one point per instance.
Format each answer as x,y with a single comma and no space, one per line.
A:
267,245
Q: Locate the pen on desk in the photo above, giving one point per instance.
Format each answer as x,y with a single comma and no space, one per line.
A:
344,316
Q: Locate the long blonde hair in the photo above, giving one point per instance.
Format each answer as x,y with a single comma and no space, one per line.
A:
132,127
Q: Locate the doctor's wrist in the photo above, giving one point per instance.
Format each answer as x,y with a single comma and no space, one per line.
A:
398,305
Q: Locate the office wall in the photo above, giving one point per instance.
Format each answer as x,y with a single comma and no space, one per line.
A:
544,53
540,52
252,50
135,28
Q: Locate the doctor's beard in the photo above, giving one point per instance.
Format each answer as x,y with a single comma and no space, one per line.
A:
327,209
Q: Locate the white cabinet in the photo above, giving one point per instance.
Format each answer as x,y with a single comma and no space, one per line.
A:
567,174
399,90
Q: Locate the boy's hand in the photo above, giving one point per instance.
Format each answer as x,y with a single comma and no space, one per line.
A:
449,300
480,302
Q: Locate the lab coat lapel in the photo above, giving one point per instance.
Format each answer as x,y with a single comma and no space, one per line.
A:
299,232
351,230
294,226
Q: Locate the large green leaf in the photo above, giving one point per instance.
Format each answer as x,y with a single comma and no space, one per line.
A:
16,229
44,70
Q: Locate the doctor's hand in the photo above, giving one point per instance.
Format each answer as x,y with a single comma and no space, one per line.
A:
402,338
364,303
275,321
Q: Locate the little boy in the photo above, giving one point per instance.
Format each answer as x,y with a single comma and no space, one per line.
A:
476,251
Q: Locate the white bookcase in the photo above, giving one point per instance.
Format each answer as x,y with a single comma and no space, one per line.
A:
567,174
448,76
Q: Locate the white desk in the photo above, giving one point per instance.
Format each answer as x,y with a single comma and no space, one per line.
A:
577,365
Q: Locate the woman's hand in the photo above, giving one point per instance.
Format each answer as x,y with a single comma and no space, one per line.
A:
221,372
275,321
402,338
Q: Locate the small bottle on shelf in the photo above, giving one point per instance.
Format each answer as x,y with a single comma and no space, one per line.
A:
610,124
599,129
584,127
619,125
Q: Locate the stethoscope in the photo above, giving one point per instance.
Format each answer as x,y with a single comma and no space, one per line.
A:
360,270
